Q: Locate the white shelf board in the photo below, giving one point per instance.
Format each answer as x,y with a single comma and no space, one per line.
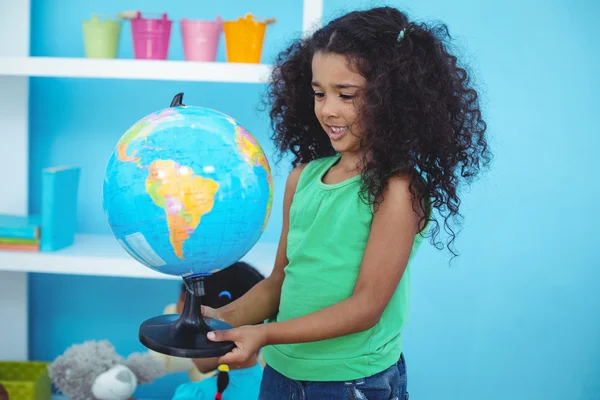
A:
101,255
165,70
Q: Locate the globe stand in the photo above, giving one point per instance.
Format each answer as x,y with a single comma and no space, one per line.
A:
185,335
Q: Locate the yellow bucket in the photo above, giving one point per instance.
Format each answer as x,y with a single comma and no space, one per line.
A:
244,39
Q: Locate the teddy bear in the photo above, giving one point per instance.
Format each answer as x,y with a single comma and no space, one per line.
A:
94,370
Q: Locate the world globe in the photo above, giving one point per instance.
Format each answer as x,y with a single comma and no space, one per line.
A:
187,192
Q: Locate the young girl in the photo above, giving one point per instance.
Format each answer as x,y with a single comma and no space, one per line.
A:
384,126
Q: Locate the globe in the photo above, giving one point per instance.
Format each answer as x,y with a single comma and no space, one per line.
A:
187,192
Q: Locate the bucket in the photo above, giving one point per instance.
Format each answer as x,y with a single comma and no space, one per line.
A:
244,39
101,36
151,37
201,39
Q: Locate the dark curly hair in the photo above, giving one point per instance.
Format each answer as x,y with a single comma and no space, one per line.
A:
420,110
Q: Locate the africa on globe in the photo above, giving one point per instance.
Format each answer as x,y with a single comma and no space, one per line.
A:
187,191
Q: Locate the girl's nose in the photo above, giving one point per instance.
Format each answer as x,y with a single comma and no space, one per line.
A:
329,109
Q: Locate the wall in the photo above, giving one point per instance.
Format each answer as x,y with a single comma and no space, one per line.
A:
514,317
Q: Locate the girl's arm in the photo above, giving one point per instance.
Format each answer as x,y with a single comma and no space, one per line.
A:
262,301
393,230
386,255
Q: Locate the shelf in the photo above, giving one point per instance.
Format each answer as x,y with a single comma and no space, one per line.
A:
166,70
101,255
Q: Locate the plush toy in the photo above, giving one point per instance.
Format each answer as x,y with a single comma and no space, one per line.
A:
93,370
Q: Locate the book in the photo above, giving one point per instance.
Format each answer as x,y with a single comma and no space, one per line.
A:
20,247
20,227
19,241
60,187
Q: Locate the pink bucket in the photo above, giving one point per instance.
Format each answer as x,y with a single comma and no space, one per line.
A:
151,37
201,39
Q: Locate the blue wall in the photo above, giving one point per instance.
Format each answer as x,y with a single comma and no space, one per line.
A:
514,317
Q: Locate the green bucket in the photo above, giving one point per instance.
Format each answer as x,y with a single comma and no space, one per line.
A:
101,37
25,380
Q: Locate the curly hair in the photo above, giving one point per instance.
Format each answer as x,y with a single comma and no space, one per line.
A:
420,110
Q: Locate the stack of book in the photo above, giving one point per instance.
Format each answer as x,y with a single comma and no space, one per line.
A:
54,227
19,233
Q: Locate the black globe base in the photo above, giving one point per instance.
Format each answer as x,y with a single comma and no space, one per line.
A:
185,335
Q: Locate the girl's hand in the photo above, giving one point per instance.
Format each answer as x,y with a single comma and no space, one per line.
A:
216,313
209,312
248,340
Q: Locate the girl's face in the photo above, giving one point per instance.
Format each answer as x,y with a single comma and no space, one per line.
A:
336,89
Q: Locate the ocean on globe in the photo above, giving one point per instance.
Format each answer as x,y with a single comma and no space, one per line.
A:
187,191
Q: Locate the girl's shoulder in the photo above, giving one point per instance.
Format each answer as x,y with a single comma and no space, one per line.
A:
313,170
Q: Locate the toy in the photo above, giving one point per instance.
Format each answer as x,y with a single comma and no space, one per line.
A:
93,370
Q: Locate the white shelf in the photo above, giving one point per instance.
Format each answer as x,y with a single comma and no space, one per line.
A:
101,255
166,70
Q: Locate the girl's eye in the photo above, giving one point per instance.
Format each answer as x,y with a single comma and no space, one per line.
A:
319,95
346,96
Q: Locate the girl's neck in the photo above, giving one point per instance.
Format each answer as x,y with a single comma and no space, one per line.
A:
351,162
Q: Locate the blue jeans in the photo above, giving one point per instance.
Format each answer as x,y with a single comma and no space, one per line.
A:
389,384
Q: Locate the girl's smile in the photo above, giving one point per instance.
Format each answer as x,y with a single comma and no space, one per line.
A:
336,132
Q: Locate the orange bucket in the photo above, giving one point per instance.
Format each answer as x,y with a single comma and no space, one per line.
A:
244,39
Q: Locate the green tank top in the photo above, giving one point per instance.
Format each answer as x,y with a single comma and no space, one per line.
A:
328,231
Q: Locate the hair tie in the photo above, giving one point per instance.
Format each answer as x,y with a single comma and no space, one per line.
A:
410,27
400,35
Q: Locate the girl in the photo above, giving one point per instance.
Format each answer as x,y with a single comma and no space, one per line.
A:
384,126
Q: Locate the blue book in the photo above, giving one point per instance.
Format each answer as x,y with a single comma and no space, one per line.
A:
60,188
19,227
